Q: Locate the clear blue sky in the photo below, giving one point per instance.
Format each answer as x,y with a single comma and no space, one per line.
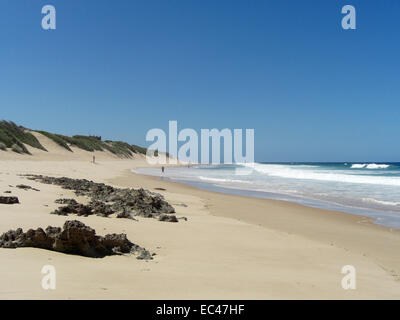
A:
311,90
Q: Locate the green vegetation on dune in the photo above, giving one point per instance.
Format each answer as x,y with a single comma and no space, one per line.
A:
13,135
85,142
123,148
90,143
56,138
119,148
16,148
138,149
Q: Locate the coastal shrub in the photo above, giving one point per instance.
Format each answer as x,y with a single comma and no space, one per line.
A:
84,142
126,148
138,149
11,134
9,140
94,143
119,148
16,148
57,139
3,146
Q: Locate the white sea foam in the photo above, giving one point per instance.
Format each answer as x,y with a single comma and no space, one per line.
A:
358,166
381,202
377,166
221,180
369,166
290,172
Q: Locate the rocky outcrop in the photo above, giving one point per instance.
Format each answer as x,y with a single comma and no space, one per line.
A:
74,238
9,200
106,200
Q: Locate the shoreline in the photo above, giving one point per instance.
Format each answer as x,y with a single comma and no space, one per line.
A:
313,223
231,247
194,188
207,194
389,219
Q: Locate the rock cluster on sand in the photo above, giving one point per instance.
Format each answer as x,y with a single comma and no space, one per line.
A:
74,238
9,200
106,200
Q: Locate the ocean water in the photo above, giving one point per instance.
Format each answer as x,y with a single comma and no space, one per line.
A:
370,189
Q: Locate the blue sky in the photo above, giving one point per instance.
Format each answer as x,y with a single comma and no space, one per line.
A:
311,90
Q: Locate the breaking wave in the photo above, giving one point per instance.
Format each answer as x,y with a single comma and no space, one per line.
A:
305,173
369,166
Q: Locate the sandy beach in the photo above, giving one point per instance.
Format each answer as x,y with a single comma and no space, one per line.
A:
230,247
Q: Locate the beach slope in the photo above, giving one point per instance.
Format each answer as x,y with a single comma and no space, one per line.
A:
230,247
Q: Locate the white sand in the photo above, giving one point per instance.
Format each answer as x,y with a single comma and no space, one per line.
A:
230,248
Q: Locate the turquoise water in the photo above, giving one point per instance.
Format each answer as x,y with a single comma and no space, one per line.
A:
370,189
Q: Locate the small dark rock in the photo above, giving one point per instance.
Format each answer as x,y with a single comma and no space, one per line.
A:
9,200
125,214
76,208
144,255
167,218
100,208
66,201
25,187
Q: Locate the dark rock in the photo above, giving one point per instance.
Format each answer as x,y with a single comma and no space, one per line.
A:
106,200
100,208
25,187
94,207
7,191
9,200
118,243
160,189
83,210
74,238
74,207
144,255
66,201
77,238
125,214
52,232
167,218
34,238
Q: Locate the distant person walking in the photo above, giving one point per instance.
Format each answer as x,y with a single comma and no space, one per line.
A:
162,169
94,159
